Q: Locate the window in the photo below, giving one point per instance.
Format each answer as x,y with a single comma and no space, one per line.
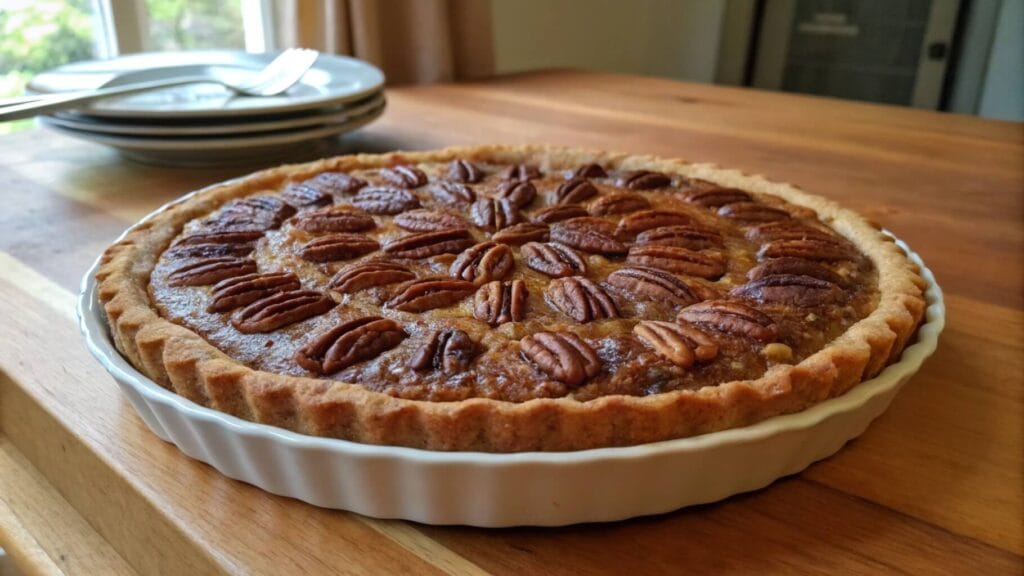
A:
36,35
194,24
39,34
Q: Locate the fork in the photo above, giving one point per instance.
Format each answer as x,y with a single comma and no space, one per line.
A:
278,76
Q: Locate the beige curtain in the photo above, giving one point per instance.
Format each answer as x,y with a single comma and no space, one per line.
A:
412,41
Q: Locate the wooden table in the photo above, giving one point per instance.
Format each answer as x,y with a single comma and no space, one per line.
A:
934,486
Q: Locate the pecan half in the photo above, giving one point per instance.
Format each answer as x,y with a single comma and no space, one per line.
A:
681,344
588,234
581,299
427,244
518,192
236,223
592,223
281,309
791,289
683,236
210,271
334,219
362,275
484,262
253,213
232,293
451,193
797,266
348,343
554,259
520,172
653,284
521,234
647,219
715,197
557,213
270,206
588,171
494,213
809,249
619,203
732,318
790,230
429,293
236,237
562,356
427,220
404,176
698,184
302,195
210,250
336,183
379,200
575,190
644,180
676,259
500,302
752,213
450,351
333,247
465,172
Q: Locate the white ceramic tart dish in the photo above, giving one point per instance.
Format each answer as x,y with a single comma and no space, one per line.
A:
512,308
500,490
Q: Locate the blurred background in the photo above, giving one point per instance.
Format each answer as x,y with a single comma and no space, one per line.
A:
961,56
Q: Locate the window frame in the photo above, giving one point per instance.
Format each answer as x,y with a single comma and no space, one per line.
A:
123,26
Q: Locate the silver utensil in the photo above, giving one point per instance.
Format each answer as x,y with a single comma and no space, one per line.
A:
278,76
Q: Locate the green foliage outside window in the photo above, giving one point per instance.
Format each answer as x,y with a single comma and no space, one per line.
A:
38,35
195,24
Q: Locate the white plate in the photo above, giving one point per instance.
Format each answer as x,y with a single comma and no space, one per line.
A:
498,490
215,129
205,144
198,151
332,80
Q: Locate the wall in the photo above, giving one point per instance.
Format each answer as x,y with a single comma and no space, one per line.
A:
1003,93
990,70
673,38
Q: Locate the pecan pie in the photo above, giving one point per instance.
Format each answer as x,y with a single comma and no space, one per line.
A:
508,298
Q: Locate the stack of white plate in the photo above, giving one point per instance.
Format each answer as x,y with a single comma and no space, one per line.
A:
203,124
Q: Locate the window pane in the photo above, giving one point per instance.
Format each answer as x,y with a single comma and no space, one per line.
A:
194,24
36,35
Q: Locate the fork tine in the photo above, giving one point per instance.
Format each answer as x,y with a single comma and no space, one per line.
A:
298,62
271,71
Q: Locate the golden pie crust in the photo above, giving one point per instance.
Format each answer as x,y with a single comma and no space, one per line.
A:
181,360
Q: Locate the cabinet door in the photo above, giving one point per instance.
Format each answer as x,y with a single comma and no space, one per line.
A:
893,51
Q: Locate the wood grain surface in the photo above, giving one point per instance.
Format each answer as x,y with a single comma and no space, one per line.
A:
933,487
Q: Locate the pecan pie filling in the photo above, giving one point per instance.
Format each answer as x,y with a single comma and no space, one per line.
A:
447,281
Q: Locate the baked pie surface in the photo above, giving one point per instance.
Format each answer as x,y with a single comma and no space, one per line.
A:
507,298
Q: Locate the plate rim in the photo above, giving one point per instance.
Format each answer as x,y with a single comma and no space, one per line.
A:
95,126
207,144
